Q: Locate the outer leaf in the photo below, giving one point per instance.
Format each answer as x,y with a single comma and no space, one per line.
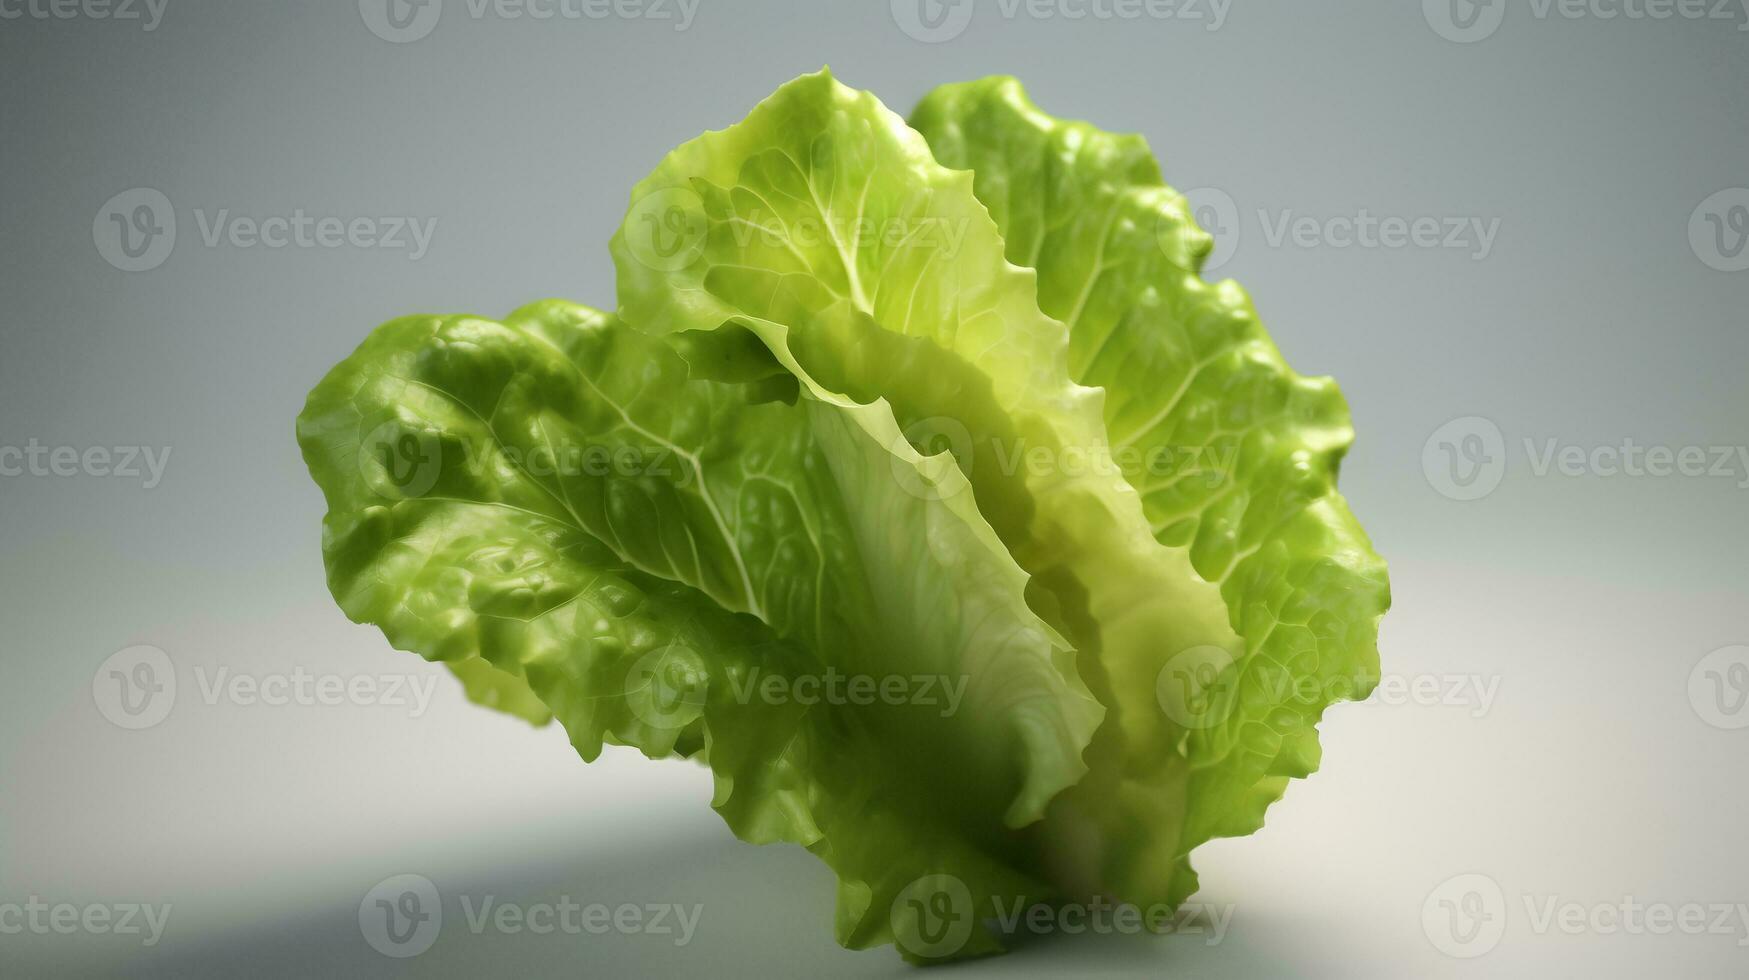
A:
1234,454
553,497
486,685
822,225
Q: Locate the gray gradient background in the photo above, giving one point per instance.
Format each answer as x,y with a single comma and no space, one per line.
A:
1589,598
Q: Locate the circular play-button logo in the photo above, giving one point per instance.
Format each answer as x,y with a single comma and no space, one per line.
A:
1464,21
135,231
401,916
400,21
932,917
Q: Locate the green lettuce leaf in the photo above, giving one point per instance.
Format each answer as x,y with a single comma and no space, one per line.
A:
1235,455
553,506
822,225
500,690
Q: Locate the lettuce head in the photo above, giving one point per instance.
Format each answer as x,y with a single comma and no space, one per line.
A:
919,487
